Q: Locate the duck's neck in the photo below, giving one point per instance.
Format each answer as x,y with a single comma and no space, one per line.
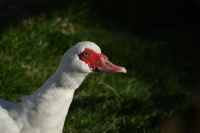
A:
48,106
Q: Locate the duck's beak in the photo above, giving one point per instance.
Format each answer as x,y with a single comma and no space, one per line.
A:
106,66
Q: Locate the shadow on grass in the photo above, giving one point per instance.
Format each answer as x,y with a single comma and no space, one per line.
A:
13,11
176,23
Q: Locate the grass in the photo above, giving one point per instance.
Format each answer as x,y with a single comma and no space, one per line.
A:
140,101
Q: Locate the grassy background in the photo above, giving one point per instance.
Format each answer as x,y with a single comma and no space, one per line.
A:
157,43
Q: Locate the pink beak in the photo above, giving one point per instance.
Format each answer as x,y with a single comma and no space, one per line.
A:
108,66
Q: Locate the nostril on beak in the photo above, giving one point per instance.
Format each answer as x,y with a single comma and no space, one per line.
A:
108,63
105,58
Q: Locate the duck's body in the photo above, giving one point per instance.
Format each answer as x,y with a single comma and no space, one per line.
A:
45,110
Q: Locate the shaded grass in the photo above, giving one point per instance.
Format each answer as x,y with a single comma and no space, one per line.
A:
135,102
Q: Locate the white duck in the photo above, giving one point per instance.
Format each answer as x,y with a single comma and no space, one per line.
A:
44,111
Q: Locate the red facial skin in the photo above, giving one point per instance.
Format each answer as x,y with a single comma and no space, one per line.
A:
99,62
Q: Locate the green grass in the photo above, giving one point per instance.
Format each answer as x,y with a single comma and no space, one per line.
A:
136,102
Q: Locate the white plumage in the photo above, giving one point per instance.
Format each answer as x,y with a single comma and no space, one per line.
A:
45,110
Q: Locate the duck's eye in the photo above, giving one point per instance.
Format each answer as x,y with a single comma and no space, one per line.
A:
86,54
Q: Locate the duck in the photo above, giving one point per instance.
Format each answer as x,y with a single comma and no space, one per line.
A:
45,109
